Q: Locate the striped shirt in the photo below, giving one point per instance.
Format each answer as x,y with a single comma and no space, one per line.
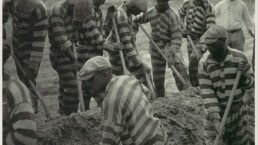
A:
217,80
29,30
19,126
61,31
166,27
199,17
124,26
89,34
128,116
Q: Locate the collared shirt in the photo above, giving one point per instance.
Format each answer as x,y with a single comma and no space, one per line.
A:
166,27
19,126
128,115
29,29
217,80
199,18
233,14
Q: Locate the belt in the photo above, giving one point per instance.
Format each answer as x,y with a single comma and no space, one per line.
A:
233,31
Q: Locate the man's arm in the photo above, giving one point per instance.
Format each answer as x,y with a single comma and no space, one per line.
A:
211,104
247,20
183,9
111,132
176,33
125,33
210,19
23,126
40,30
142,19
247,77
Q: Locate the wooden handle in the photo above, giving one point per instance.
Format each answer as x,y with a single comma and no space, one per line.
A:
230,100
37,94
80,97
164,57
192,44
150,86
118,40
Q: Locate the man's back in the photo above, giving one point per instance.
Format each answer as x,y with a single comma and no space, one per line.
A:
127,111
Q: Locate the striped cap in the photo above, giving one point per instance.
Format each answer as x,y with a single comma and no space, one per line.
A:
214,33
140,4
93,65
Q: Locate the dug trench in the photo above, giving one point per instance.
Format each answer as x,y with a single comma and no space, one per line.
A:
181,115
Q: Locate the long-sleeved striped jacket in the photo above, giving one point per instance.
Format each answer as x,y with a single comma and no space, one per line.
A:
124,26
19,126
127,115
30,25
217,80
61,30
199,18
166,27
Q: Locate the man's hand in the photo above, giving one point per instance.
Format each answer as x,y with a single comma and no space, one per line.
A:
134,37
110,14
251,33
217,127
186,32
70,54
243,65
118,46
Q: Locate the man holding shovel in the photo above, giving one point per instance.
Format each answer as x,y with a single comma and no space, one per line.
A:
166,33
127,116
19,125
29,21
91,41
123,20
217,73
198,16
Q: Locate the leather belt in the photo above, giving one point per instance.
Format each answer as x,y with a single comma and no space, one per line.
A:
233,31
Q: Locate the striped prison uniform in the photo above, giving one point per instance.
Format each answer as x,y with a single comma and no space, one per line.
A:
19,126
61,34
216,82
128,116
198,19
29,20
132,60
166,32
91,41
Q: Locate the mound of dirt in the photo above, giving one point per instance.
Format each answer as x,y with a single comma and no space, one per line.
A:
181,115
76,129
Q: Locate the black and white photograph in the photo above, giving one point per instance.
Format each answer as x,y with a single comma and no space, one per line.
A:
128,72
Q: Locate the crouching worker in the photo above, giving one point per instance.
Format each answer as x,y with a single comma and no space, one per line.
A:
19,126
217,74
127,113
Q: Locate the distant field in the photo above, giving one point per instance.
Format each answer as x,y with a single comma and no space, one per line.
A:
48,80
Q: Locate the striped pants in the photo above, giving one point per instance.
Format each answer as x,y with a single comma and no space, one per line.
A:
236,127
159,69
84,53
133,64
22,52
68,91
193,62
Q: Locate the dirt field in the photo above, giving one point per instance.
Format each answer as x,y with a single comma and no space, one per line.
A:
84,128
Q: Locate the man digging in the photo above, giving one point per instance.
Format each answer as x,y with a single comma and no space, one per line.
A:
127,113
217,74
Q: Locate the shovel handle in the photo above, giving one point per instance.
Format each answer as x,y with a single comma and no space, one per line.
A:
118,40
230,100
80,97
32,85
164,56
